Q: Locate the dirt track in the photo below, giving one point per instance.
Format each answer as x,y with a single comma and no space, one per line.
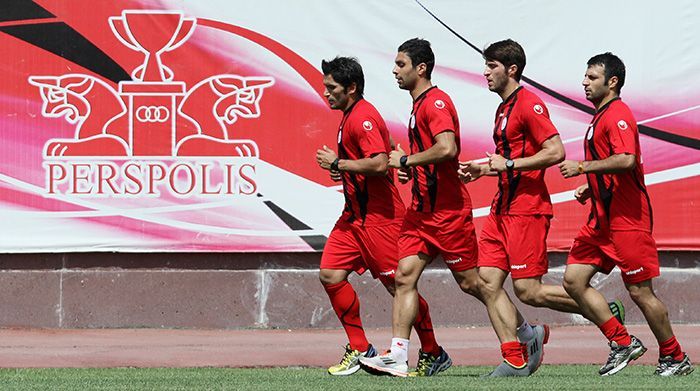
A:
316,348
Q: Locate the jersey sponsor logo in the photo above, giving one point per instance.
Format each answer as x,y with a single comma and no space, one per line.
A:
538,109
412,122
151,134
388,273
367,125
504,122
635,271
453,261
439,104
519,267
622,124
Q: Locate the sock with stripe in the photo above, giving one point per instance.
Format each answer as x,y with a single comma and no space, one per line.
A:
347,306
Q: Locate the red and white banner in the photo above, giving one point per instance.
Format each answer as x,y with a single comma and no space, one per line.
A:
193,126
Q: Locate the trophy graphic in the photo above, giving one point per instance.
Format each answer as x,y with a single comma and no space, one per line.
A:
152,33
152,95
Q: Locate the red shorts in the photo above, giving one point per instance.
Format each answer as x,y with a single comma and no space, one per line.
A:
634,252
449,233
515,244
357,248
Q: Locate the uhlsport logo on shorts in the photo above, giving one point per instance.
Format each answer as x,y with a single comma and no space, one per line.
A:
153,134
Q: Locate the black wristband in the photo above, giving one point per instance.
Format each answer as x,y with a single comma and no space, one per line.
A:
334,165
403,161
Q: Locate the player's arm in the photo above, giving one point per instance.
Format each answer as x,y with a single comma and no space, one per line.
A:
552,152
614,164
444,148
374,165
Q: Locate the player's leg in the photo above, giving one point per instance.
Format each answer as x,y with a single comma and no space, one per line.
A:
406,300
346,305
532,291
638,261
380,251
525,241
504,320
431,356
468,281
493,270
340,257
672,360
405,309
623,347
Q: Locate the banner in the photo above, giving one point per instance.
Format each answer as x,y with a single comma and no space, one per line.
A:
192,126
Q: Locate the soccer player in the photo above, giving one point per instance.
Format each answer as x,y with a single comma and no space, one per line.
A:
366,234
514,237
439,220
618,231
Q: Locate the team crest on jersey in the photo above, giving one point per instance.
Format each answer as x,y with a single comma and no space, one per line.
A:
367,125
340,135
412,121
504,122
622,124
589,132
439,104
538,109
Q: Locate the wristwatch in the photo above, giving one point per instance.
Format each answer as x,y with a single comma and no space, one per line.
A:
510,164
580,168
403,161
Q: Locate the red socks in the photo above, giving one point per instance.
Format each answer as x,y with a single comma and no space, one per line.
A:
672,348
513,353
615,331
347,306
424,329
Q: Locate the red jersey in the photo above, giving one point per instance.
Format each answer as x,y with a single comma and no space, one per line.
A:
522,124
435,186
369,200
620,201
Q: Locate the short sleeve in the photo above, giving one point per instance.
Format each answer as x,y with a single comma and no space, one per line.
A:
439,117
369,136
622,134
538,123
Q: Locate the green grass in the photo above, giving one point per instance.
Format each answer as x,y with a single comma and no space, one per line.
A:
549,377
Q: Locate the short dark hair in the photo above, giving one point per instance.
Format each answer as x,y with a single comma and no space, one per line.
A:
507,52
345,71
612,66
419,51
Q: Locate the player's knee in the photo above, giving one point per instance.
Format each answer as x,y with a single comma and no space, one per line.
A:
329,278
487,289
642,297
472,287
404,280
